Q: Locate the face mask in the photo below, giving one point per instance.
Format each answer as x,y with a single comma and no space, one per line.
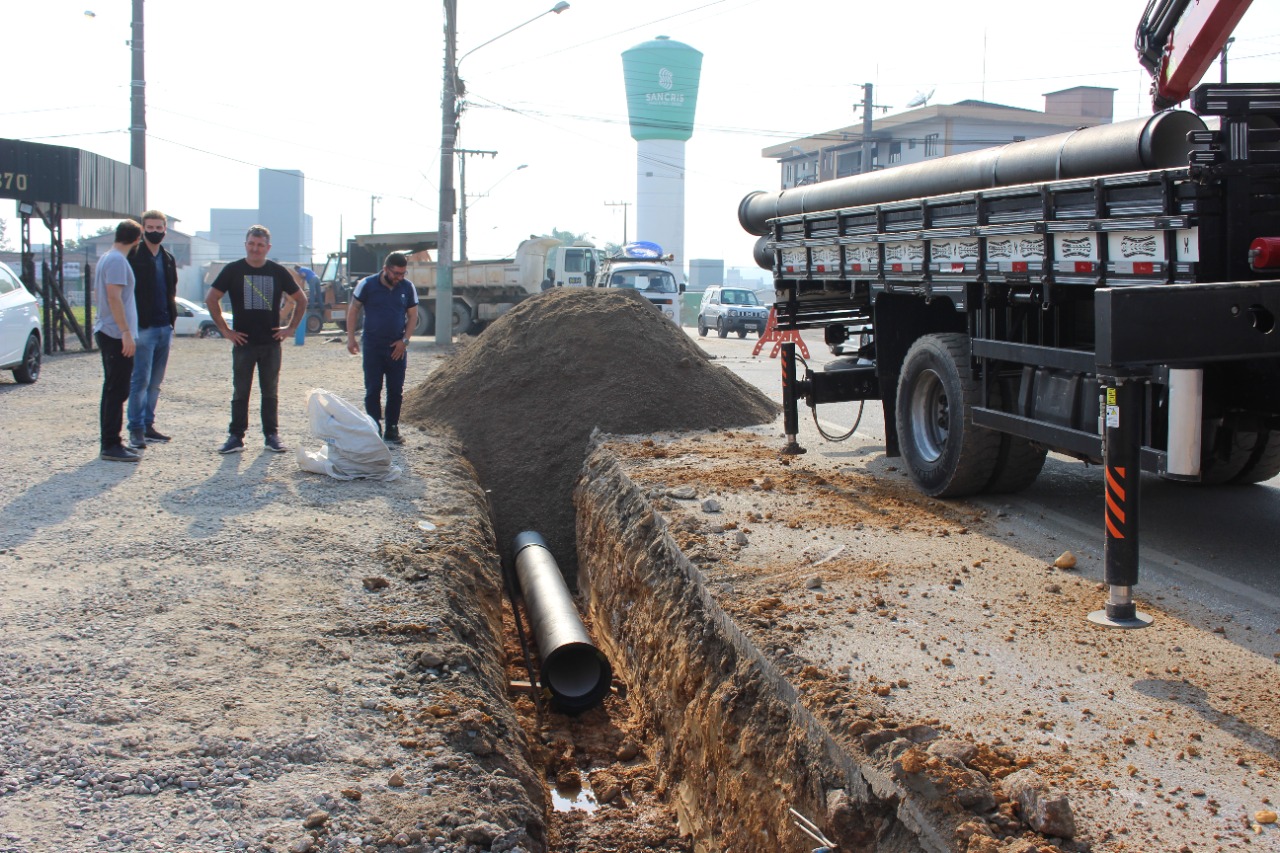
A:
154,237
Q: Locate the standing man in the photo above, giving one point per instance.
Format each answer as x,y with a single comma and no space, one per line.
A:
257,288
156,295
390,305
115,331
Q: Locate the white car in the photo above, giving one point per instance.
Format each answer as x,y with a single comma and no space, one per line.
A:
194,319
19,328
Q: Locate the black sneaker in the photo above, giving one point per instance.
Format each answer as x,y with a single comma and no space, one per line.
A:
118,453
137,440
233,444
392,434
273,443
154,437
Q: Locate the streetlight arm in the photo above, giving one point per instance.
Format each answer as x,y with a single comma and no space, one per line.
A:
558,8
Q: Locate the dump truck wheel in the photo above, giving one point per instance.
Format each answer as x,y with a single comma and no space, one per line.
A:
314,324
426,322
947,455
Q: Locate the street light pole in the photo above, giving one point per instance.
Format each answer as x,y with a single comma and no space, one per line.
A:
137,95
448,143
462,197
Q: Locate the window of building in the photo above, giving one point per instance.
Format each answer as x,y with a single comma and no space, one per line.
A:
848,163
895,152
931,146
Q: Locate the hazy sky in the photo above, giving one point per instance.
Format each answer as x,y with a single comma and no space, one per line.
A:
350,94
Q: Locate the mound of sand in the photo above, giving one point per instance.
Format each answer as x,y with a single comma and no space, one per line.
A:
525,396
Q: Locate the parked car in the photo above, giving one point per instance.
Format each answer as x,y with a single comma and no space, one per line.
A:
19,328
195,319
731,309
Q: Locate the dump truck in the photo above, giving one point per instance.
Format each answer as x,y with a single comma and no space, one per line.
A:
482,289
1109,294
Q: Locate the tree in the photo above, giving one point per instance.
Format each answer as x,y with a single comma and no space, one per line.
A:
568,238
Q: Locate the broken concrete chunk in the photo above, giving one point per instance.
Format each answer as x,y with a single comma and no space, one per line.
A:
683,493
949,747
1045,810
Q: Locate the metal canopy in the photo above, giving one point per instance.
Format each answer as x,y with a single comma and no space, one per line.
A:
88,186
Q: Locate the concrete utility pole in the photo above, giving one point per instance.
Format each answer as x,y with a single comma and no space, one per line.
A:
373,199
1222,59
137,95
448,138
624,205
866,128
462,197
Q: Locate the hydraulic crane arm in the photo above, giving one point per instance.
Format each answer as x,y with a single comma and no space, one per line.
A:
1178,39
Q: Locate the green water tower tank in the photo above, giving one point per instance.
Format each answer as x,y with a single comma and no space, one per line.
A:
662,88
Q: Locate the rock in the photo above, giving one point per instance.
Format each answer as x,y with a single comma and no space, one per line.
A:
711,505
316,819
628,750
813,582
1046,811
608,793
374,584
481,833
430,660
947,747
971,789
1066,560
683,493
396,780
741,539
353,794
512,841
1265,816
302,845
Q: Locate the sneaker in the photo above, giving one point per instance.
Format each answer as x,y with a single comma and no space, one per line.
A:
233,444
273,443
118,453
392,434
154,437
137,440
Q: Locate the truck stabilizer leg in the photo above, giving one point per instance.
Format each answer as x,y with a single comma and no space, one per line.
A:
1122,446
790,401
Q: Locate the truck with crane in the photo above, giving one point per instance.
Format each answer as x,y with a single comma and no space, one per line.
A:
1109,294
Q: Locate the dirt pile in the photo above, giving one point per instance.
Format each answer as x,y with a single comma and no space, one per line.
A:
526,395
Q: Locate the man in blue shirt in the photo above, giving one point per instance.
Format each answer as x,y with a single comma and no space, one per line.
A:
157,289
390,305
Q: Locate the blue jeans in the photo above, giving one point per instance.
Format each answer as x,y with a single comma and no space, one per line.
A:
377,365
149,362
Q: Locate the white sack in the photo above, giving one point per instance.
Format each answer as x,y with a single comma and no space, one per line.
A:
352,447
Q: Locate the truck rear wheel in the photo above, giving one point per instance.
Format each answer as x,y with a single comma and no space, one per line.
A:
1234,454
314,324
946,454
426,322
1020,460
461,317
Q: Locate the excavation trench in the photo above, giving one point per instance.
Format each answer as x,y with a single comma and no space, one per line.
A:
701,723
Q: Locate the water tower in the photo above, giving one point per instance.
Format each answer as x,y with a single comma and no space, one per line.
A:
662,92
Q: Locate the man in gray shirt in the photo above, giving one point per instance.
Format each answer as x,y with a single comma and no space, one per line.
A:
115,332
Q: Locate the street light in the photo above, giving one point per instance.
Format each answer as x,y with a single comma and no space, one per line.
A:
448,140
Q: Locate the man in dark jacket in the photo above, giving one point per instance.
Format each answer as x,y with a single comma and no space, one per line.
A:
155,295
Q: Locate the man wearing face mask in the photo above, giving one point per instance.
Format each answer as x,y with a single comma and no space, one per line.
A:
157,289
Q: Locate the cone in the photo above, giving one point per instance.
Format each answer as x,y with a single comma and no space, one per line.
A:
771,333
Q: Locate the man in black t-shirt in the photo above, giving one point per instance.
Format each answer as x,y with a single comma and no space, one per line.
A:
256,287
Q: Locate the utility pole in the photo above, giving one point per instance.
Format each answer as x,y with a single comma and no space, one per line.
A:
462,197
448,138
1222,59
372,200
137,95
624,205
866,128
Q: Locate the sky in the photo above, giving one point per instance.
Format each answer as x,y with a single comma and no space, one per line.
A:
350,95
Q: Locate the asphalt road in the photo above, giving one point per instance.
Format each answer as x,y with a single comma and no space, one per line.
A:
1212,548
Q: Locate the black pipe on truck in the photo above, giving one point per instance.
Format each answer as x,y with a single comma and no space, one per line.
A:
1153,142
575,673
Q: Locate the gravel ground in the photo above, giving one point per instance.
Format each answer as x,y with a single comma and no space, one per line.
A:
208,653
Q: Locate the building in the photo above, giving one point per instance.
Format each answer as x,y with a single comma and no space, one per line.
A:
929,132
281,202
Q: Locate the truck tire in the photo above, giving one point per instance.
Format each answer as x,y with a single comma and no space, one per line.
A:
946,454
1019,462
314,324
426,322
461,317
1264,462
1234,455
